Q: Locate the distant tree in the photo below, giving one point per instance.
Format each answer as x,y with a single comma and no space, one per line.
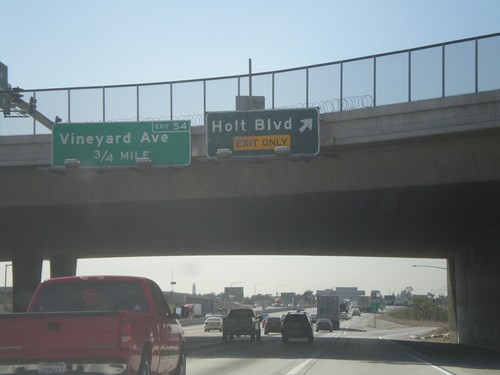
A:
221,295
428,309
261,300
407,293
308,298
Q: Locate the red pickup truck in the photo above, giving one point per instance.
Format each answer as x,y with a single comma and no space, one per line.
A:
95,325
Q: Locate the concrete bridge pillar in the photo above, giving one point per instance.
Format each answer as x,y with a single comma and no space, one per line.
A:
62,265
26,275
477,277
452,299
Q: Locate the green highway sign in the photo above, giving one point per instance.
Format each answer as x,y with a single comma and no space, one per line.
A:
374,306
4,79
4,85
260,133
110,144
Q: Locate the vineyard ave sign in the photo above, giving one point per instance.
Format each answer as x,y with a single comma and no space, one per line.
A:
122,143
259,133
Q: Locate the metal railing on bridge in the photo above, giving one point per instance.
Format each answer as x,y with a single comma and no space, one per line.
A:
446,69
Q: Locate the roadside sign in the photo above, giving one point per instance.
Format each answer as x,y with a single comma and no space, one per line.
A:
259,133
4,85
122,143
4,79
374,306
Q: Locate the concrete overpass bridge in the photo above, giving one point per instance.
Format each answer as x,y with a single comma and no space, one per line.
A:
417,179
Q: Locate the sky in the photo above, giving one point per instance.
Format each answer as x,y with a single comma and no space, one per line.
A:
271,274
59,43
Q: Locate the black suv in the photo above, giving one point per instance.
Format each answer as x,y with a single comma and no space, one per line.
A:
297,326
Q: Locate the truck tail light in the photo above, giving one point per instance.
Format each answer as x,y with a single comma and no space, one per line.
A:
125,333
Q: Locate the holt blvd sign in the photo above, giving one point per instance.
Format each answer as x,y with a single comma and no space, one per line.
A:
259,133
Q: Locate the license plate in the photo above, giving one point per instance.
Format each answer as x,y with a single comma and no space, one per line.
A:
52,368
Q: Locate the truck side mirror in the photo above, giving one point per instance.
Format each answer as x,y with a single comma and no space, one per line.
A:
181,312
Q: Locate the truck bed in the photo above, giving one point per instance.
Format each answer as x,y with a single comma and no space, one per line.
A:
93,325
54,336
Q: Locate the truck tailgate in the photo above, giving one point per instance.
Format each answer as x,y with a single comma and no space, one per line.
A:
231,323
59,335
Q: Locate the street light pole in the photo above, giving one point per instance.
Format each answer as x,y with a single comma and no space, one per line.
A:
255,289
451,303
5,287
236,282
281,286
276,296
172,283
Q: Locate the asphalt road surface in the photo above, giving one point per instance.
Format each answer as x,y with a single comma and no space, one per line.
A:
357,348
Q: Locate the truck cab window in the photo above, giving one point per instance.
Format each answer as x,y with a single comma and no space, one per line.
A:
160,301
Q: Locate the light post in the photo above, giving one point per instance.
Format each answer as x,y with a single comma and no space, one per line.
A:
255,289
5,287
172,283
276,297
280,286
231,297
428,266
237,282
449,302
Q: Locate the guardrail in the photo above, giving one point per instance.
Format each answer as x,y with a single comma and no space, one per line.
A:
446,69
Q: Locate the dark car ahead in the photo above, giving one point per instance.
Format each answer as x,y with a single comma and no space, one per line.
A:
272,324
324,325
297,326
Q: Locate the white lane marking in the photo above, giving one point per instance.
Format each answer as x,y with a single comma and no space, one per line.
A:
297,368
421,359
345,328
430,364
317,354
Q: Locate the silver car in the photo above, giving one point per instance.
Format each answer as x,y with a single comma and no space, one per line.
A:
213,323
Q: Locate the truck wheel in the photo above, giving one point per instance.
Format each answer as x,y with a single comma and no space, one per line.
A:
181,365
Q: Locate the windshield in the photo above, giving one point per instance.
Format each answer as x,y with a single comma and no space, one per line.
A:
91,296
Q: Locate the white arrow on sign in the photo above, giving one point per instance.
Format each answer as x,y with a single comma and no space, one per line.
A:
308,123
